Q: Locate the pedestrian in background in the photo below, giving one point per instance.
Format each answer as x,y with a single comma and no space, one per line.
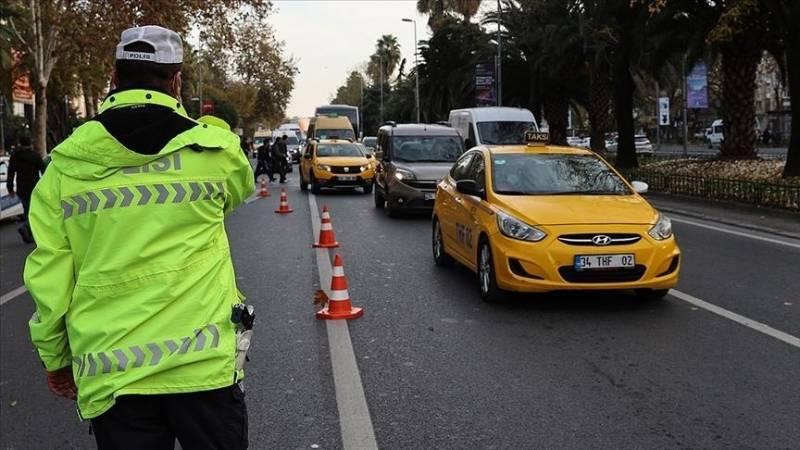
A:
262,161
24,166
279,154
132,276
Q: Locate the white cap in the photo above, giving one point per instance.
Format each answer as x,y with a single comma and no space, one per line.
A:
167,43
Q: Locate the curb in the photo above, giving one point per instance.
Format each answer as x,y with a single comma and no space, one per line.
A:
746,226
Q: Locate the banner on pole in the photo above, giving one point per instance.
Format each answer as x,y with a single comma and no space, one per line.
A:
663,111
484,85
697,87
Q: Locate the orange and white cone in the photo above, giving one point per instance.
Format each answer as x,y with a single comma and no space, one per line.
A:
284,207
327,237
339,304
264,192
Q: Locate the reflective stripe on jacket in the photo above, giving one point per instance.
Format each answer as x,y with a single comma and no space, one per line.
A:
132,275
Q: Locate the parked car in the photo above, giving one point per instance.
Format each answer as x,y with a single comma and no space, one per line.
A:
643,145
9,206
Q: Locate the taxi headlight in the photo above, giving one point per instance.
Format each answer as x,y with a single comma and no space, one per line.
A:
324,167
517,229
402,174
662,229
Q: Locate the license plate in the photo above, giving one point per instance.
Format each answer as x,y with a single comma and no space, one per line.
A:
600,262
430,196
347,178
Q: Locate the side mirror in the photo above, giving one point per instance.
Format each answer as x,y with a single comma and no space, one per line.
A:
470,187
640,187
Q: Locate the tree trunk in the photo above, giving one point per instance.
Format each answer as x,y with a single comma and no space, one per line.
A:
599,100
623,101
40,120
738,101
792,167
556,110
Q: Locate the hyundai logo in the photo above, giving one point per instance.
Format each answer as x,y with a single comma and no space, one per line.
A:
601,239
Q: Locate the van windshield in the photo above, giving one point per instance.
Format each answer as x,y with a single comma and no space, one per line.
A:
504,133
340,133
426,148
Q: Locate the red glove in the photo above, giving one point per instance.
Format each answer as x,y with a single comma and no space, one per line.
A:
62,384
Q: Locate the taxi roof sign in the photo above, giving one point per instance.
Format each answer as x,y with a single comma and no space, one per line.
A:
537,138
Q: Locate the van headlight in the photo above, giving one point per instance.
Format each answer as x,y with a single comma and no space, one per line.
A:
402,174
662,229
517,229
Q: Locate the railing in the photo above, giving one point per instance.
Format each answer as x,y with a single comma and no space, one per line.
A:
775,195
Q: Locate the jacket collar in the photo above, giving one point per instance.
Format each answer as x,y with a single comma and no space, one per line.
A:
129,97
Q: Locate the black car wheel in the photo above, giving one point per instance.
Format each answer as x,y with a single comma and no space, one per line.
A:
380,202
315,187
440,257
487,280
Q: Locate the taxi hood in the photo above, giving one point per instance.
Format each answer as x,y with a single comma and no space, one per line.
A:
579,209
342,160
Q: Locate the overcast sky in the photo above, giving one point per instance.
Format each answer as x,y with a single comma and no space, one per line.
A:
330,38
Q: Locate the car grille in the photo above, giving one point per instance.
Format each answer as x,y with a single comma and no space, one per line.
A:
585,239
353,170
421,184
569,274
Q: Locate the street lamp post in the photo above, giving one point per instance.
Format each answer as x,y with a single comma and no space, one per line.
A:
416,67
499,57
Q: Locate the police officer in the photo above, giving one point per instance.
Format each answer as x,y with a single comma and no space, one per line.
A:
24,167
280,152
132,275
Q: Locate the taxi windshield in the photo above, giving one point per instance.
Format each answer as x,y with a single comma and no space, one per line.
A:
339,133
426,148
339,150
526,174
504,133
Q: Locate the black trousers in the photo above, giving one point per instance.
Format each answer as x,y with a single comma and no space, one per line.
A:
262,168
200,420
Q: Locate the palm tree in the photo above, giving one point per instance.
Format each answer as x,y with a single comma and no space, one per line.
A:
385,59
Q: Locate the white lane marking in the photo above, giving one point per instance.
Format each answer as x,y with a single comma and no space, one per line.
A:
749,323
354,419
750,235
13,294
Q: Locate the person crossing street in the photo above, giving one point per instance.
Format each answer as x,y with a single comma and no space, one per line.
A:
137,310
24,167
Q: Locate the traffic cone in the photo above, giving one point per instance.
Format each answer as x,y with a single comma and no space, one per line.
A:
284,207
264,192
327,238
339,304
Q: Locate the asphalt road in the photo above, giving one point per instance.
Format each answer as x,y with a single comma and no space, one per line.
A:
441,369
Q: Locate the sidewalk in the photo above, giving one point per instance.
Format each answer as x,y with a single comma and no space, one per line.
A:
779,222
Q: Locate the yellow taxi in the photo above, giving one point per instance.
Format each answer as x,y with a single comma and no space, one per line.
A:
543,218
336,163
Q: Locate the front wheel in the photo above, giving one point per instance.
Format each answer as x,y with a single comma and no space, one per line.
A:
487,279
303,184
380,202
440,257
315,187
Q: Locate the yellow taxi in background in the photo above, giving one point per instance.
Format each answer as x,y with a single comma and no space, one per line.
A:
542,218
336,163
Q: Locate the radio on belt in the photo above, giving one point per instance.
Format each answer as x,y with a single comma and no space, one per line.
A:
243,315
